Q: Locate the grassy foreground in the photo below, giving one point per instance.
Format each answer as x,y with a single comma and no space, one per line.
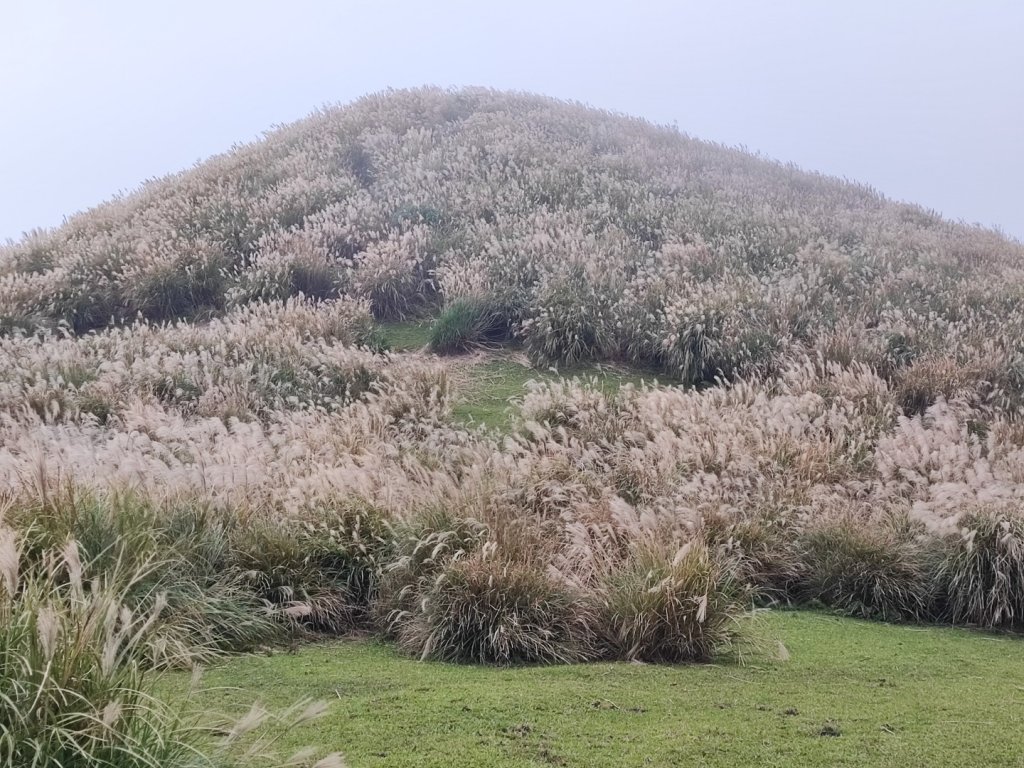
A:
851,693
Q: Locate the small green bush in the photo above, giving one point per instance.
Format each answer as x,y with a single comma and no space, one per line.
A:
466,323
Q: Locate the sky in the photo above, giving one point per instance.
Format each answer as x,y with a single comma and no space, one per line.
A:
921,99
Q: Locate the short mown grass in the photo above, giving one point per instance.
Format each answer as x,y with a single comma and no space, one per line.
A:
852,693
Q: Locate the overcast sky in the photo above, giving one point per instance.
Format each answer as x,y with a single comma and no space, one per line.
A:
922,99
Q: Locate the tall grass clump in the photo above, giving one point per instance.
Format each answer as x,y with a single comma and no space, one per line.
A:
866,569
421,548
180,553
982,572
322,571
764,545
182,283
572,321
74,690
670,606
488,610
466,323
77,681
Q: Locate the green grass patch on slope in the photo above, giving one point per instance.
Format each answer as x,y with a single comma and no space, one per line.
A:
852,693
406,335
485,397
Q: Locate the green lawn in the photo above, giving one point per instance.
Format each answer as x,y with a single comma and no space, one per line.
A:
852,693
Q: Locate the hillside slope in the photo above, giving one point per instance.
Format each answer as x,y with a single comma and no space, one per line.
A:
209,414
588,235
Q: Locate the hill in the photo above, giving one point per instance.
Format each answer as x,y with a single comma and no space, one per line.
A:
501,380
587,235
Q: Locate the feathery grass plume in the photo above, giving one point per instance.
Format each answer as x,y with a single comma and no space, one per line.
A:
764,544
421,547
10,560
75,690
273,562
175,553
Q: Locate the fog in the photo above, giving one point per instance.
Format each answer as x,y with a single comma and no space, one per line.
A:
922,100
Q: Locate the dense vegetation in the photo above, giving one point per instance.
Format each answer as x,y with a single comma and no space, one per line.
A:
195,388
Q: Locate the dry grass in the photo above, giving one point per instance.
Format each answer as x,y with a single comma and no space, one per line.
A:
210,341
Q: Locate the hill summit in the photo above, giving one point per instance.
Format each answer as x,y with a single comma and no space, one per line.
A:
584,234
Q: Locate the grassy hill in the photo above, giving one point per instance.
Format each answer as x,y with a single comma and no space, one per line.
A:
496,379
590,235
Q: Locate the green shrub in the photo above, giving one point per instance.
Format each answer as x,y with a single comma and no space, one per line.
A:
665,607
466,323
982,571
866,570
374,338
485,610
